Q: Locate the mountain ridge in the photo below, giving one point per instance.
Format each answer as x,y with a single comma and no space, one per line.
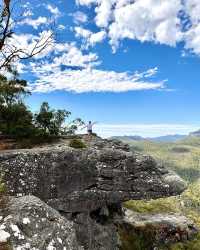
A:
165,138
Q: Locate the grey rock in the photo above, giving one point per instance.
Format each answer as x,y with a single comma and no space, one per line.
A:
84,180
88,186
158,230
31,224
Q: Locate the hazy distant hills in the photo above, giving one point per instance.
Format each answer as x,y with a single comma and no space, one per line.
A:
195,133
166,138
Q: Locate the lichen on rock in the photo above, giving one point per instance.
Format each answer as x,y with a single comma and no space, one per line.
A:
28,223
87,186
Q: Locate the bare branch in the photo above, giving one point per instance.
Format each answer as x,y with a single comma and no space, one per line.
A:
7,14
9,52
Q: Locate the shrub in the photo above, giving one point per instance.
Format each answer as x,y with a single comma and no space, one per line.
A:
77,143
161,205
2,185
3,196
2,188
180,150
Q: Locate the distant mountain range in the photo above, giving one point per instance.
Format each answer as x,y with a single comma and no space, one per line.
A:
195,133
166,138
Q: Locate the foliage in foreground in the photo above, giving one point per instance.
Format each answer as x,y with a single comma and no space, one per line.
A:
77,143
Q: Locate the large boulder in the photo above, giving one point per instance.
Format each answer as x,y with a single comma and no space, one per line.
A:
84,180
87,186
28,223
154,231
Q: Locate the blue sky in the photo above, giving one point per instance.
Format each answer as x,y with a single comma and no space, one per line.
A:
133,67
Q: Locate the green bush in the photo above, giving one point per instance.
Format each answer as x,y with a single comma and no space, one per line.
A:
77,143
162,205
2,187
180,149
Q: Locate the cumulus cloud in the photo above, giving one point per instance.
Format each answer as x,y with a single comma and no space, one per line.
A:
35,23
63,66
192,35
74,71
150,20
90,38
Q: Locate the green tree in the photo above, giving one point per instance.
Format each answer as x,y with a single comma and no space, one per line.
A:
15,118
12,91
17,121
50,120
58,120
72,127
44,117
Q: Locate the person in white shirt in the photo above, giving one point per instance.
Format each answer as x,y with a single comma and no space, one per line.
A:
89,127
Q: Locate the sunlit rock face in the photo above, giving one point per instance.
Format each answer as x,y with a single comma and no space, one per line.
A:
88,185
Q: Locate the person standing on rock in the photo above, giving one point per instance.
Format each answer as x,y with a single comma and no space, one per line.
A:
89,127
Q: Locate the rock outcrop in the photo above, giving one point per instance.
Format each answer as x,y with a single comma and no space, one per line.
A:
88,186
154,231
28,223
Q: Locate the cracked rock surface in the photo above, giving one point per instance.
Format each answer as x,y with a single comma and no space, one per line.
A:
28,223
87,186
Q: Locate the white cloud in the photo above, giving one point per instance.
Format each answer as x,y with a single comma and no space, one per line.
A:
147,21
192,7
104,13
54,10
35,23
79,76
81,32
145,130
27,44
192,35
90,38
65,54
70,69
85,2
80,17
97,37
158,21
192,38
